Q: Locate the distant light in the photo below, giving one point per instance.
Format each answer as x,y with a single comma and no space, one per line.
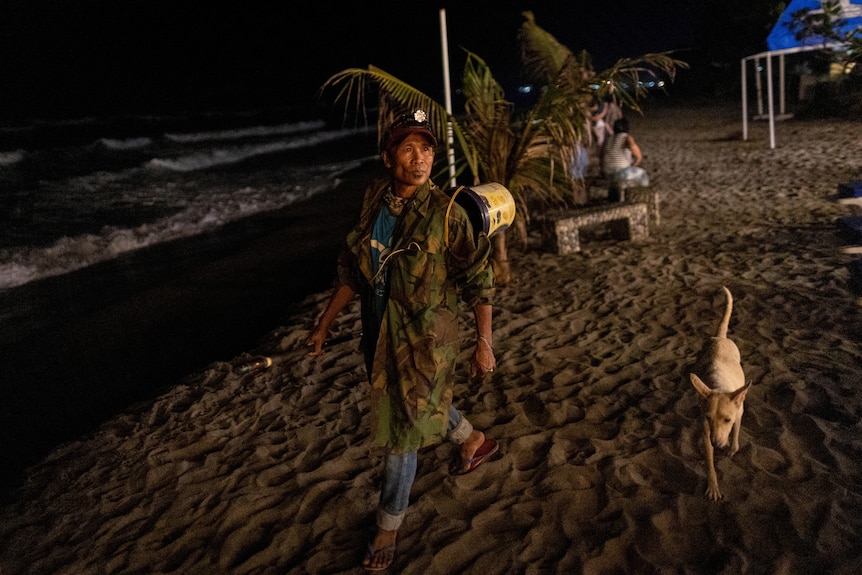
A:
525,89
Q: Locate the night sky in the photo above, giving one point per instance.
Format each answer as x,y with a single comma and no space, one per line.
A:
61,58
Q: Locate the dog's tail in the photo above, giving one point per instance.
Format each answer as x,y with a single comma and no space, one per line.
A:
725,321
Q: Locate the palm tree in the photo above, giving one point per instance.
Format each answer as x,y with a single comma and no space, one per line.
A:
533,155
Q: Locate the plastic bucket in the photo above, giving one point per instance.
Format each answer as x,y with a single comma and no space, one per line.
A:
490,206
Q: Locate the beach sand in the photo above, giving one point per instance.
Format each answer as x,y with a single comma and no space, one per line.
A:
601,469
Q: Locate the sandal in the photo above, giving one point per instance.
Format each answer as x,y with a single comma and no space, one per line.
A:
386,554
482,454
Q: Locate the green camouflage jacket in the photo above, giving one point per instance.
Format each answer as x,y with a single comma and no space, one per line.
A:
411,363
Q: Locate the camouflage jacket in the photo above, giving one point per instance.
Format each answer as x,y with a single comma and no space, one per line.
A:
411,358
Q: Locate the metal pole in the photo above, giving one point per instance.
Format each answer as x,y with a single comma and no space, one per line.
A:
450,134
744,103
770,100
757,70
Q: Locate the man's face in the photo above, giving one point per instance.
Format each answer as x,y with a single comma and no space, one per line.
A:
411,161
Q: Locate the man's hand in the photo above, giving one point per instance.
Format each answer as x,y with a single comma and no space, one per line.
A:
316,339
483,360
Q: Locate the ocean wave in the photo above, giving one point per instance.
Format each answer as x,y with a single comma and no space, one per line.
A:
205,211
12,157
126,144
253,131
225,156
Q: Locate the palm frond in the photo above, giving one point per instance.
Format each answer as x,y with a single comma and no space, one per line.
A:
542,56
394,97
527,161
624,79
487,126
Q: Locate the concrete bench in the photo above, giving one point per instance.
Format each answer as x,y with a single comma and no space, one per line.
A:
617,189
561,233
648,196
630,194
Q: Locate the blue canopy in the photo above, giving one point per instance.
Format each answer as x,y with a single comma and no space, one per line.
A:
783,37
781,41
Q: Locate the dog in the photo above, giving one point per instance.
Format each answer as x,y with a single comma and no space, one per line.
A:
723,388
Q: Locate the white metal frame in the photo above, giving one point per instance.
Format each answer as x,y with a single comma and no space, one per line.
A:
769,88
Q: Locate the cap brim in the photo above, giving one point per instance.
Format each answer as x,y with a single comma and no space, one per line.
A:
399,134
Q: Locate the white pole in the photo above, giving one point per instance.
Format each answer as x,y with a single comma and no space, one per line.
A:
757,70
450,134
744,102
771,104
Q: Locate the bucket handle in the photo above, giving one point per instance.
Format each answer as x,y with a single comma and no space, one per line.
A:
446,221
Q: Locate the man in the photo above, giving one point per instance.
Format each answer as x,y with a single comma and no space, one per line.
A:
411,257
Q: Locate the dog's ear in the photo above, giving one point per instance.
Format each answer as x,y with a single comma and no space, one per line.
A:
738,396
700,386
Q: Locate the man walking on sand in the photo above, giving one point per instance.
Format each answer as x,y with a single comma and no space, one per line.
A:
411,257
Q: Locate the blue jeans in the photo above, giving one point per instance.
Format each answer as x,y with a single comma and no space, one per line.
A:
580,162
400,470
632,176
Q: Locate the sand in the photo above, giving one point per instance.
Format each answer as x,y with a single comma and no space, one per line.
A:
601,469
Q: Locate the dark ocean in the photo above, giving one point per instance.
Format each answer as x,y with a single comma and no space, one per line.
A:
137,250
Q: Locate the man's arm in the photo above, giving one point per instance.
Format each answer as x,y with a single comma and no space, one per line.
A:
341,296
483,359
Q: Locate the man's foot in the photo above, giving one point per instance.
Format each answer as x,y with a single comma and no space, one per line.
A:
471,445
381,552
475,451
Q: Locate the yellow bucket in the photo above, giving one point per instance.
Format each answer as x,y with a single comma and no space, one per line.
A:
490,207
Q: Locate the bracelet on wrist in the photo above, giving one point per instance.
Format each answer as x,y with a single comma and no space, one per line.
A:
485,341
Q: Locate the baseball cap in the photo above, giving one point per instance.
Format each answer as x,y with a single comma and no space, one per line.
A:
415,122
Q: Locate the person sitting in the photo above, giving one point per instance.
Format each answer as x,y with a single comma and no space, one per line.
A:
621,161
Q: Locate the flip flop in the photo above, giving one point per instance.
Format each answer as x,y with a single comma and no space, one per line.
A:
388,552
486,450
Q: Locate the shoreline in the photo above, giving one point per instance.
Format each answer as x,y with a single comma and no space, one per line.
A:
92,342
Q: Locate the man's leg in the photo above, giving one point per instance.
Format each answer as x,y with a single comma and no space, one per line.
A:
462,433
399,472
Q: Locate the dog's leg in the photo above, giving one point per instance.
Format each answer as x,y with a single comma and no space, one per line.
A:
734,446
712,490
738,399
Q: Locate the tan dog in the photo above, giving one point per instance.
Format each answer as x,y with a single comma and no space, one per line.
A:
723,388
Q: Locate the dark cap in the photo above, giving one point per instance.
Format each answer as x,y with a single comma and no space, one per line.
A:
413,123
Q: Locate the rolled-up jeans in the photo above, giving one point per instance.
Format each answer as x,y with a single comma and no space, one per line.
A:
632,176
400,470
